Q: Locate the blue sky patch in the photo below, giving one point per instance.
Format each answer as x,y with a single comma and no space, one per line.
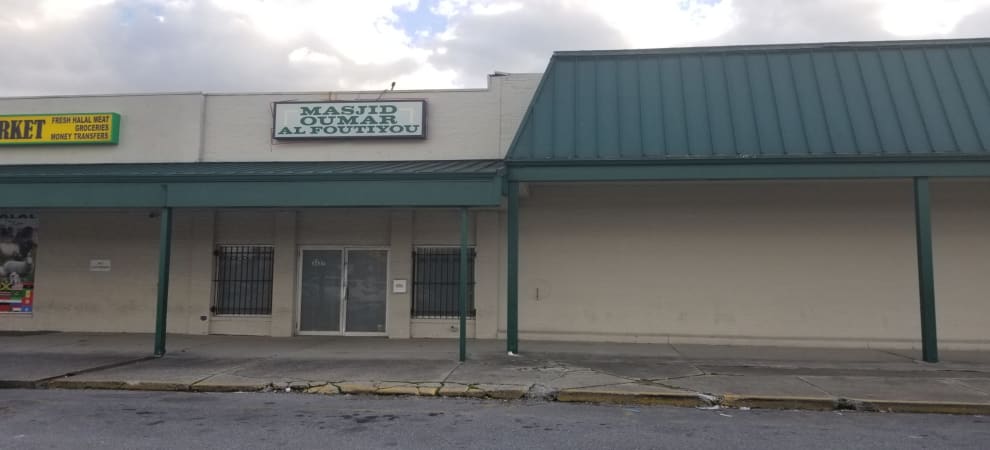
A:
421,19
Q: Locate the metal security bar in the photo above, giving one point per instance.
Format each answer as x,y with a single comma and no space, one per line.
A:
242,280
434,287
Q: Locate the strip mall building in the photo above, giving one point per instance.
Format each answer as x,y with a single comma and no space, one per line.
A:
832,194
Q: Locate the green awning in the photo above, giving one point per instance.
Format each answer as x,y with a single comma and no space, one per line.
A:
909,100
254,184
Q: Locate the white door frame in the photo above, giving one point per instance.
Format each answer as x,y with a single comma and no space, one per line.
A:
343,289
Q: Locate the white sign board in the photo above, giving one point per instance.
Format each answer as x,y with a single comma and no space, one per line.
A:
350,120
399,286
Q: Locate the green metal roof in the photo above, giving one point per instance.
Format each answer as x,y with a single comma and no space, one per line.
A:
904,99
251,171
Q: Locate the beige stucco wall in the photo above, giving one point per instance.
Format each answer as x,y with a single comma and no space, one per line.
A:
441,328
441,227
793,263
153,128
961,228
195,127
398,230
346,226
70,297
783,263
461,124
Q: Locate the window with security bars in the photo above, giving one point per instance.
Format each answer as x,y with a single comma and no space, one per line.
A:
435,284
242,280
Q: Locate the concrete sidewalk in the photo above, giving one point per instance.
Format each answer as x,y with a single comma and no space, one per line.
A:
684,375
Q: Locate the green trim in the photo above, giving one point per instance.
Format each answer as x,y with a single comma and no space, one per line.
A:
96,195
411,193
462,284
164,260
512,270
337,193
926,270
253,171
737,170
158,179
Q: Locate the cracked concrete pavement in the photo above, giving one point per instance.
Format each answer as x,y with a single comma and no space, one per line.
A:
684,375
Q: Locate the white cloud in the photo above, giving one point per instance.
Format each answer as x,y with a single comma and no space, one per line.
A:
67,9
450,8
495,8
782,21
90,46
305,55
926,17
660,23
364,31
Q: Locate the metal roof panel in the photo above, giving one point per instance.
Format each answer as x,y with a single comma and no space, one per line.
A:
876,99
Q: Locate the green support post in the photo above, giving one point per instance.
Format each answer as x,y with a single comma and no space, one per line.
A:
462,284
926,268
164,257
512,269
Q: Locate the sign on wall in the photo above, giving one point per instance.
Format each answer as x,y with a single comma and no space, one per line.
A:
350,119
18,250
53,129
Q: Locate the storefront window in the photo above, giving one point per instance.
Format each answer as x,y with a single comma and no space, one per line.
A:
242,282
436,272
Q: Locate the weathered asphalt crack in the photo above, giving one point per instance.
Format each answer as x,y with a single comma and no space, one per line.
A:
682,377
819,388
663,385
231,370
686,360
888,352
966,385
43,381
443,382
204,378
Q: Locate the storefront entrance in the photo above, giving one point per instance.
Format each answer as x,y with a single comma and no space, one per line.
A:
342,290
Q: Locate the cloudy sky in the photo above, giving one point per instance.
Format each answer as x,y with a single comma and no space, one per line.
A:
104,46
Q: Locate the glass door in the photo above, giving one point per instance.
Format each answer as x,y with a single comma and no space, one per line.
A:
366,284
320,289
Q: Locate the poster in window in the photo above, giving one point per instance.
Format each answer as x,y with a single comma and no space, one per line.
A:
18,250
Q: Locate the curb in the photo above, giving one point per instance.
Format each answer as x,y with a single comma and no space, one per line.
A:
630,398
513,392
921,407
771,402
17,384
115,385
227,388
